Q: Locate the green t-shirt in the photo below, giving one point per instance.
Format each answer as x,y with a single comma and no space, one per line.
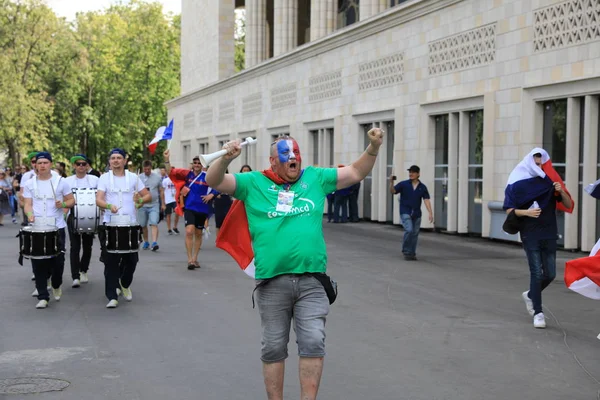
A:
287,242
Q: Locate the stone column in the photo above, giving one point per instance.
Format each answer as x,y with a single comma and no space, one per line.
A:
590,162
286,26
572,172
452,172
322,18
463,172
330,16
256,15
365,9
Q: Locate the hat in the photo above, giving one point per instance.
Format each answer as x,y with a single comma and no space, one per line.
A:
43,154
31,155
118,151
414,168
79,157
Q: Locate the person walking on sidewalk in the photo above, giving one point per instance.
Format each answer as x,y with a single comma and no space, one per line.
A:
286,203
533,193
411,192
80,241
149,213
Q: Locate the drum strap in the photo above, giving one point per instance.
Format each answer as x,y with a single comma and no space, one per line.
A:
36,193
121,191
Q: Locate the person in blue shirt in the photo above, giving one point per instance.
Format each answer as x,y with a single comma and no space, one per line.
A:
411,191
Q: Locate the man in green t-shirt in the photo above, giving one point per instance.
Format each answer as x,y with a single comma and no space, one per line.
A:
285,205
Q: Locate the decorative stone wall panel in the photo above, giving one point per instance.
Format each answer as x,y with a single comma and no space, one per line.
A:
462,51
386,71
565,24
205,117
189,122
283,96
325,86
226,111
252,105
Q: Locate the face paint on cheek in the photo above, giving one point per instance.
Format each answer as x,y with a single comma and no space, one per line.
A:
296,150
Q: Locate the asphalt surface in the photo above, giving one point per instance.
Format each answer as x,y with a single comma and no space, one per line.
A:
451,325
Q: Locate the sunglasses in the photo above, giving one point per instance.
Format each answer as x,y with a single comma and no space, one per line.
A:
81,164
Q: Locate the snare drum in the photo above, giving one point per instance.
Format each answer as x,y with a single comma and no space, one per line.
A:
85,212
39,242
122,238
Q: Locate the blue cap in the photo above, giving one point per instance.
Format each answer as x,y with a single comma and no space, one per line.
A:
118,151
43,154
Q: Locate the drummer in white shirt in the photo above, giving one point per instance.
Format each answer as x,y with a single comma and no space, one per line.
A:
80,263
45,196
116,192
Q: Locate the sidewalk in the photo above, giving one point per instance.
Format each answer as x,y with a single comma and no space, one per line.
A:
449,326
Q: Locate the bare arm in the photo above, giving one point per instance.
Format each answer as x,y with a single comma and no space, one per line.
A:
101,202
566,200
532,212
167,161
28,208
359,169
429,210
216,176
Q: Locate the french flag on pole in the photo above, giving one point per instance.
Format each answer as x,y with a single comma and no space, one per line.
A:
583,274
234,238
528,182
162,133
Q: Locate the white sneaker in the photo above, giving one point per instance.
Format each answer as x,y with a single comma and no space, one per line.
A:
33,277
206,233
539,321
76,283
42,304
112,304
127,293
83,277
118,292
35,293
57,293
528,302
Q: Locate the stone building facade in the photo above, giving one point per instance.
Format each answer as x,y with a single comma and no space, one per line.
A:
463,88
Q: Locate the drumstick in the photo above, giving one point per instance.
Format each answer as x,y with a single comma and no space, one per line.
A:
52,186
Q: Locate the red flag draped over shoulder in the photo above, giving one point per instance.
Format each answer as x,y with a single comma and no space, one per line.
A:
234,236
178,177
555,177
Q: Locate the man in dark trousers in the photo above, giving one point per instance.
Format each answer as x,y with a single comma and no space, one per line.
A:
411,191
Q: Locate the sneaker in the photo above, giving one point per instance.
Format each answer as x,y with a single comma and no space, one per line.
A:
176,231
83,277
539,321
35,293
191,267
154,246
206,232
42,304
528,302
57,293
76,283
169,232
146,246
112,304
127,293
14,220
33,277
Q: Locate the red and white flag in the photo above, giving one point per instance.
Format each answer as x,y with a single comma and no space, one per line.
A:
234,238
583,274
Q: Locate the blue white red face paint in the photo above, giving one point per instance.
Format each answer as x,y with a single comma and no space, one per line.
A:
288,150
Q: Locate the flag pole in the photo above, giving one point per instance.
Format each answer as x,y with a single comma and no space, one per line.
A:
169,144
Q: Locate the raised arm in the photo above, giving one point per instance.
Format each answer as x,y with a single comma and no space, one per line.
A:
359,169
216,176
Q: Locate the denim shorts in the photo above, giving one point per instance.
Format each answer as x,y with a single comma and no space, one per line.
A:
286,297
148,215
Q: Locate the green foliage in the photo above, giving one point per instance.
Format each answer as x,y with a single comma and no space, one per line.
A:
89,86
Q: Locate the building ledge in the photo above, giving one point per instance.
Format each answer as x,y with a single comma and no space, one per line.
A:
392,17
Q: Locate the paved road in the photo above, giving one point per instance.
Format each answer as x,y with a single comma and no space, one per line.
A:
450,326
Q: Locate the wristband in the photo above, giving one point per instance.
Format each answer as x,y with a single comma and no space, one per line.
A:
140,201
64,205
108,206
166,162
371,154
29,213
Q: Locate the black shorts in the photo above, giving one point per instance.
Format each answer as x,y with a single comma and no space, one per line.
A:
194,218
170,207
